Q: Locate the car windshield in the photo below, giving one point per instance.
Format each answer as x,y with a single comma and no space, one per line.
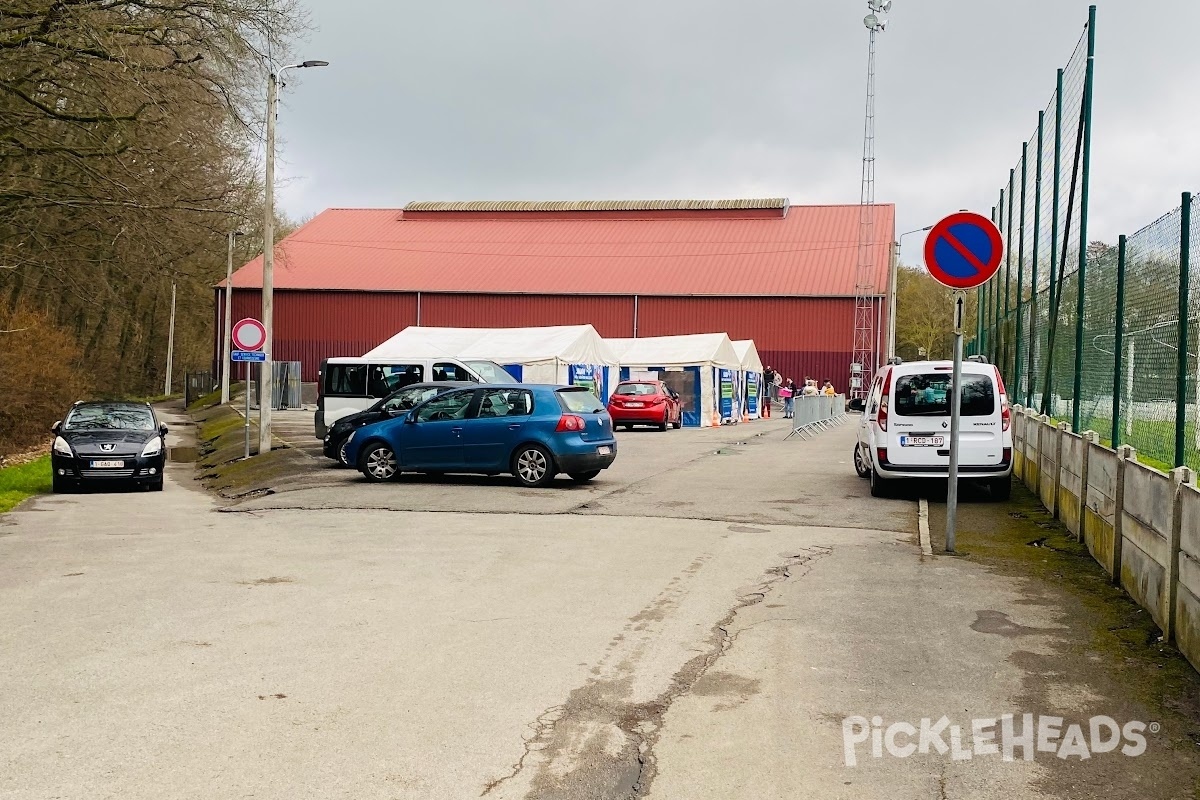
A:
134,418
634,389
580,401
491,372
927,395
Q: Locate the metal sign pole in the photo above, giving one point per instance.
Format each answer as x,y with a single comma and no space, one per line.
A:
247,421
955,419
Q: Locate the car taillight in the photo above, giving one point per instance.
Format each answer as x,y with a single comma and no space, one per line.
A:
881,418
882,453
1005,413
570,422
1007,455
657,401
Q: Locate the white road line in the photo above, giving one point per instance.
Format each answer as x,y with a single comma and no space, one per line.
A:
923,526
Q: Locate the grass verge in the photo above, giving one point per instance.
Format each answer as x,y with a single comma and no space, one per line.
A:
19,483
221,450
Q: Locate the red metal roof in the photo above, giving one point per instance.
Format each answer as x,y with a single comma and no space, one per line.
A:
802,251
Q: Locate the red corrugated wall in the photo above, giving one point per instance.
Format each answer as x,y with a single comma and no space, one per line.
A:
611,316
799,336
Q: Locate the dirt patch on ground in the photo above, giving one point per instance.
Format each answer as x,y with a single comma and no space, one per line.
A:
1109,657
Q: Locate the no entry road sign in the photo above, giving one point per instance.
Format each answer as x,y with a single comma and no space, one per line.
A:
963,251
249,334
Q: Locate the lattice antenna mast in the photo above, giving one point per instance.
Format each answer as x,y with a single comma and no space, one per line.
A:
867,305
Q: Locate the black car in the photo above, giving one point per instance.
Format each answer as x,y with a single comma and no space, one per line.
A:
395,403
109,442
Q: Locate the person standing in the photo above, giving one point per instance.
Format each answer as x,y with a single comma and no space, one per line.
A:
788,392
829,391
764,393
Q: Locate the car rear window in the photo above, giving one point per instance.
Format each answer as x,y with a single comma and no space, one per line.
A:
580,401
927,395
634,389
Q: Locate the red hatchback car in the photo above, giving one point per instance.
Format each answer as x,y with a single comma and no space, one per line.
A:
645,403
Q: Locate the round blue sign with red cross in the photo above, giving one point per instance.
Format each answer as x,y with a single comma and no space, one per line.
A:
964,251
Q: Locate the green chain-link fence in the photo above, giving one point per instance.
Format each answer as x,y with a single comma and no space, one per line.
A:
1104,337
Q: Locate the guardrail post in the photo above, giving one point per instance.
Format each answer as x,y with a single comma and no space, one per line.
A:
1063,427
1089,438
1125,454
1180,477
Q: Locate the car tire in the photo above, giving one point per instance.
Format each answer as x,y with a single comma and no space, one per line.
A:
61,486
664,425
584,477
1001,489
679,421
378,463
860,464
342,460
533,465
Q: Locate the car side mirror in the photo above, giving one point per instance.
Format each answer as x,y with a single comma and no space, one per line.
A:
411,418
857,404
162,429
56,427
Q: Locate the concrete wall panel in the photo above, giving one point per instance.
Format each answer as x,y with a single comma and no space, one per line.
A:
1100,510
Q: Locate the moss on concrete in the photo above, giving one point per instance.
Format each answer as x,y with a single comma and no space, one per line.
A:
221,449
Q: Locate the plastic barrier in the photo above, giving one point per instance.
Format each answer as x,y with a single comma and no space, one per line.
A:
817,414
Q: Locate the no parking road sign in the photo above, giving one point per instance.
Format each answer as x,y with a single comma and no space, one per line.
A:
964,251
249,334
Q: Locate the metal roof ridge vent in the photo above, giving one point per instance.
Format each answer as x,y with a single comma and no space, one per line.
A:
504,206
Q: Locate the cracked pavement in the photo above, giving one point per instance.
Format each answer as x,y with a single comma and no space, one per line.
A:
694,625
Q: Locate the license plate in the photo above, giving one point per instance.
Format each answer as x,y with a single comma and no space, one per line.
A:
635,405
922,441
604,450
107,464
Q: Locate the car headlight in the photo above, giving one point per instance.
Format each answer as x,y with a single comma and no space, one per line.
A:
61,447
153,447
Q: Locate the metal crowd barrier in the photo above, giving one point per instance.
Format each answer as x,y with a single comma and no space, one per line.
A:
817,414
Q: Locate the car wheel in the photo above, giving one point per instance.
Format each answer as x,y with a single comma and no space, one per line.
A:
584,477
1001,489
679,420
663,425
533,465
860,464
62,486
343,459
378,463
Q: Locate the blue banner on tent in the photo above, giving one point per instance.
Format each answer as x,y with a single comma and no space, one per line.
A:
726,406
752,393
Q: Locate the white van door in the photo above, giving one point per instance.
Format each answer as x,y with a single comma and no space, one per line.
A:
919,418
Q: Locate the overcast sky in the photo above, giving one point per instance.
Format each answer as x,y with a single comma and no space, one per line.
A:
640,99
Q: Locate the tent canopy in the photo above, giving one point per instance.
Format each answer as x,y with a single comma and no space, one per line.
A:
565,344
677,351
748,354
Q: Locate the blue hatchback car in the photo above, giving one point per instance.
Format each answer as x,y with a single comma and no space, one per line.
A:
533,432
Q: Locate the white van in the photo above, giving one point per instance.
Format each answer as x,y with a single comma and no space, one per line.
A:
904,432
349,385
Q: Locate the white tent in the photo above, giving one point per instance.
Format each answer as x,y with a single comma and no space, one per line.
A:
562,354
752,377
692,365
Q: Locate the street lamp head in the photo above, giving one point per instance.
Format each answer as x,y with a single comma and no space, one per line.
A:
874,23
314,64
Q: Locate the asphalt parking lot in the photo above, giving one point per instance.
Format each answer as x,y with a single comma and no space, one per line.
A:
695,623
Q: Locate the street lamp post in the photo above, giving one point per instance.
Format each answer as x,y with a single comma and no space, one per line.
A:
266,391
226,364
892,288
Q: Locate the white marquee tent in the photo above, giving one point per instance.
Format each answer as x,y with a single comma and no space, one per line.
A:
752,376
561,354
691,365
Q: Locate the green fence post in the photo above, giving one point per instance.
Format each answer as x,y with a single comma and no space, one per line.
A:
1181,364
1033,280
996,333
1019,352
1088,92
1008,230
1055,300
1119,344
